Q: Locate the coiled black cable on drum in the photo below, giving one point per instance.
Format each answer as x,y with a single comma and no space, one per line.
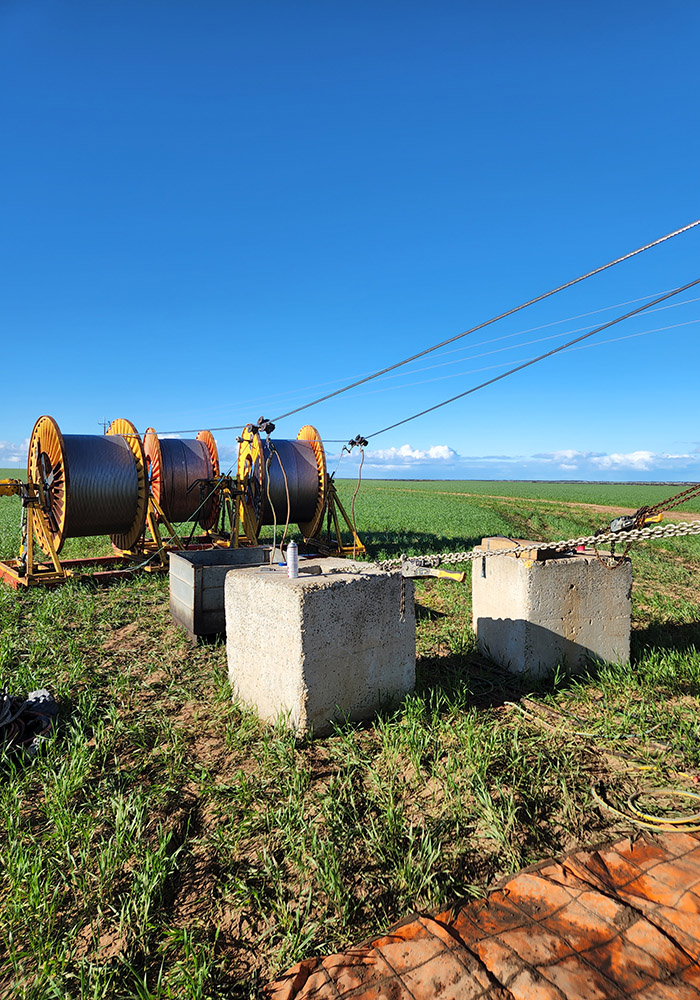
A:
90,484
175,467
283,475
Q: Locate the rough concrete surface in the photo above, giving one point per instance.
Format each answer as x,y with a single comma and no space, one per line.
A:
531,616
319,648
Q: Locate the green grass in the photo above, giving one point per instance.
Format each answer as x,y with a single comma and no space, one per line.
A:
611,494
165,844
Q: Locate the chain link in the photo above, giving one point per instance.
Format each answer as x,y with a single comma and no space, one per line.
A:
671,530
677,500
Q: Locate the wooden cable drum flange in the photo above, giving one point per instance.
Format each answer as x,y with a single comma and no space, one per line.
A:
262,467
90,484
174,467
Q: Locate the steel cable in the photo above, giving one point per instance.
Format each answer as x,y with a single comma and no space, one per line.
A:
504,364
103,493
532,361
182,463
494,319
474,329
295,475
508,336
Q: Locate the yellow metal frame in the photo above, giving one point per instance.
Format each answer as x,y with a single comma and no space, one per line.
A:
251,476
26,571
47,440
334,543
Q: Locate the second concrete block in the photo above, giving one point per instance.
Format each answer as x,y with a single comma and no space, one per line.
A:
319,649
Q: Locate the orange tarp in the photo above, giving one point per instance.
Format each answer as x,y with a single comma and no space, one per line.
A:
622,921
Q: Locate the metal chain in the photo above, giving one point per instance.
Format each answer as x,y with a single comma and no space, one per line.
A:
677,500
634,535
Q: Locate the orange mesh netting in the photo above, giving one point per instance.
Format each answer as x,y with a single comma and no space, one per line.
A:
622,921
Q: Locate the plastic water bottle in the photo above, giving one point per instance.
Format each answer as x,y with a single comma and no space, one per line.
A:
292,560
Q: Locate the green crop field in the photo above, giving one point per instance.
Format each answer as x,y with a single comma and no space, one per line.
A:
609,494
165,844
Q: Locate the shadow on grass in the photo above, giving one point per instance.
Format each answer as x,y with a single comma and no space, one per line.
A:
429,614
469,680
475,682
394,541
665,636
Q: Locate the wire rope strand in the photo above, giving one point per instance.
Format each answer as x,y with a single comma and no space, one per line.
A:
268,462
104,485
517,333
494,319
289,505
532,361
175,466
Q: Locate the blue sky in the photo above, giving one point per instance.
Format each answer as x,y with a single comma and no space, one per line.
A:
219,210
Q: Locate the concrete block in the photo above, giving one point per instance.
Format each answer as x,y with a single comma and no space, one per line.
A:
320,648
531,616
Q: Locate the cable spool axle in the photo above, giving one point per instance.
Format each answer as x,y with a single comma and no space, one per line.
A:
175,466
262,467
90,484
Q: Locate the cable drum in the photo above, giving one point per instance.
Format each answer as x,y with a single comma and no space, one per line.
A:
103,485
174,466
299,462
90,484
262,467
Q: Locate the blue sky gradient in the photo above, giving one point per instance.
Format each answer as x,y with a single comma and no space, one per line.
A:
222,210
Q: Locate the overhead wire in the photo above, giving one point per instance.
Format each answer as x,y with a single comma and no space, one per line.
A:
481,343
532,361
503,364
494,319
526,343
320,385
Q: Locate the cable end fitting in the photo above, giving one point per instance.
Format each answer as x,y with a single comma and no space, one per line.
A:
264,426
358,442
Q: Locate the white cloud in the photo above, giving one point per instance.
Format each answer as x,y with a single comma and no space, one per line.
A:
406,455
14,454
570,459
642,460
567,458
442,461
228,456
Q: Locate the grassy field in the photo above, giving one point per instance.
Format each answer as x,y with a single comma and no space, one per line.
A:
632,495
165,844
